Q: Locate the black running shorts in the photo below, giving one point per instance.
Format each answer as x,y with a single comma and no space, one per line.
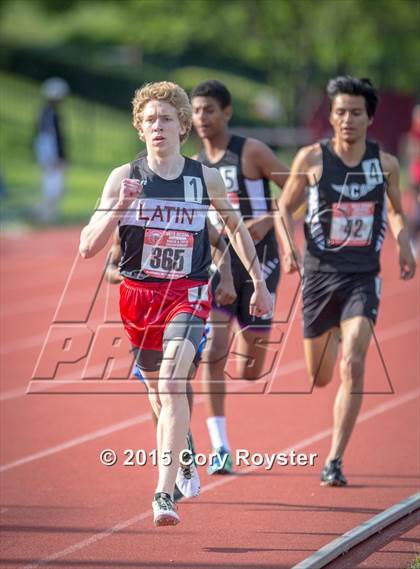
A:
330,298
244,289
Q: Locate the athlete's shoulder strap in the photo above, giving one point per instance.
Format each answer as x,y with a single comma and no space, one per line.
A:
325,144
236,144
327,150
373,147
201,156
193,166
136,166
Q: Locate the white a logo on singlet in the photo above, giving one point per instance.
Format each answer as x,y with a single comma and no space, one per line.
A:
373,176
353,191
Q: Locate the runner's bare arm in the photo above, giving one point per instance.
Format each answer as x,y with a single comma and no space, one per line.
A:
270,167
237,233
225,292
260,226
112,272
220,251
396,218
261,301
292,197
118,193
266,161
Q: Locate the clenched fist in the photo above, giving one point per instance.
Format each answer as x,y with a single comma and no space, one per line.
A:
261,302
130,190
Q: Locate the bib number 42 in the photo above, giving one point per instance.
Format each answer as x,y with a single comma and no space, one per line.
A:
352,224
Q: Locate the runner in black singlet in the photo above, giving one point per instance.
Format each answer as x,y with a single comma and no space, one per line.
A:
224,294
160,204
246,165
353,185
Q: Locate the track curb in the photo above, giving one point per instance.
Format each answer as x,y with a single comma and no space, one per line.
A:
358,534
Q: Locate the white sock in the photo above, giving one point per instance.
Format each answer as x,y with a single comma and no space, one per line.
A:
217,432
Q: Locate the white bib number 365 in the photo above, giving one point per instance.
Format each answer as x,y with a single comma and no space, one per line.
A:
351,224
167,254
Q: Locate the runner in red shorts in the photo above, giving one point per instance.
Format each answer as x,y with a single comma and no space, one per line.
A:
160,203
224,294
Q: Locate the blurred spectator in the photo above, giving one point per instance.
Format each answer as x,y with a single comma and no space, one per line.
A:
2,187
49,147
412,149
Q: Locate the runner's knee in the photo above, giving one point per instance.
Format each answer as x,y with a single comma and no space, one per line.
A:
250,370
217,348
352,368
152,386
320,379
250,375
154,400
172,393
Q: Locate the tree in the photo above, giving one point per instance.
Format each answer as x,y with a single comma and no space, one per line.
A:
293,44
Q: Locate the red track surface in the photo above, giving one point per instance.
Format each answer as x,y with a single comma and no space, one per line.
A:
59,504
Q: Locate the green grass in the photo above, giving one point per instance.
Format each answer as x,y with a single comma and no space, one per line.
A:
99,138
415,564
245,92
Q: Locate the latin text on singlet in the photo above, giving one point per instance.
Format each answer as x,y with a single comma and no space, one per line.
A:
169,235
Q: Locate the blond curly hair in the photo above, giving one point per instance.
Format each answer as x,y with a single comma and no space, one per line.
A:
163,91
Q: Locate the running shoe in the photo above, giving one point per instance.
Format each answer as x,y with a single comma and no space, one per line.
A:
187,478
178,495
164,511
221,463
332,474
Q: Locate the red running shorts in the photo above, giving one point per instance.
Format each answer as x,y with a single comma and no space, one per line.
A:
146,308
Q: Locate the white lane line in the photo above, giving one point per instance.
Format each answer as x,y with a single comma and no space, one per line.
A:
300,445
13,394
296,365
23,343
86,438
360,533
52,301
292,366
69,378
39,339
43,280
90,540
77,441
36,340
398,330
